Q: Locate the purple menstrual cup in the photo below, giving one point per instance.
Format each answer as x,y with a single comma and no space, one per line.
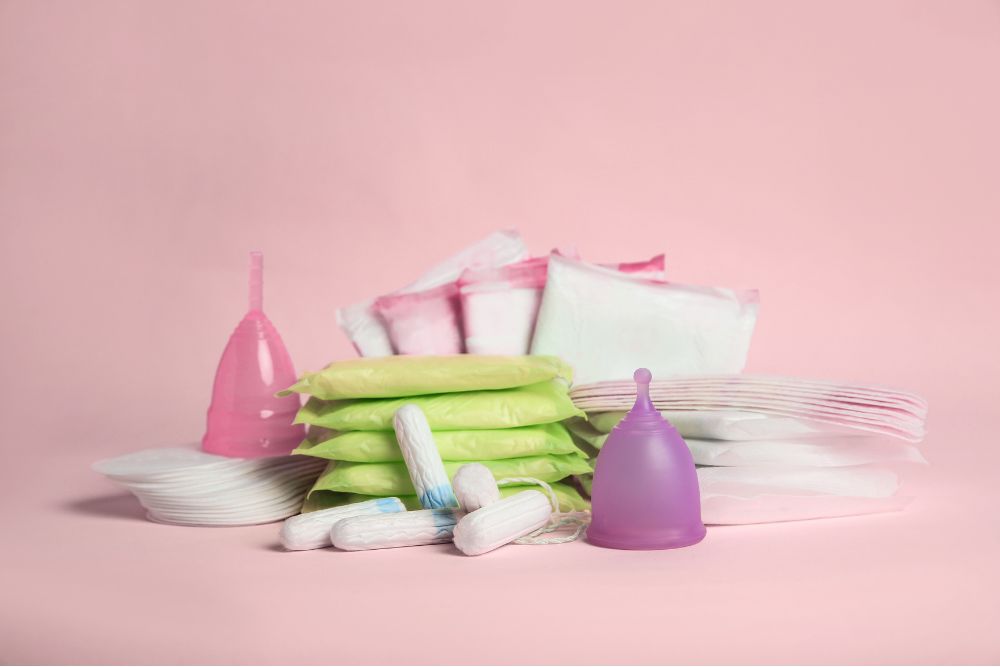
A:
645,492
246,419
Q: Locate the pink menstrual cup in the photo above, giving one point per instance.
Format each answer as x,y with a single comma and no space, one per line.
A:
246,419
645,491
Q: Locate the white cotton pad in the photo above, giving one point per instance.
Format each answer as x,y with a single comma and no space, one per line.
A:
388,531
502,522
475,487
312,530
606,324
364,325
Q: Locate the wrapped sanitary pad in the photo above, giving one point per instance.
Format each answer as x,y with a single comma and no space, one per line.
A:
569,498
500,305
393,479
606,324
362,322
381,446
391,377
540,403
427,322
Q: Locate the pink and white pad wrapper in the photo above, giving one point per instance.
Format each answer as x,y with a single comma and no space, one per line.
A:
499,306
362,322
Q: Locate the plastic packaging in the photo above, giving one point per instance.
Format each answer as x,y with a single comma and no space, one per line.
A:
393,479
389,531
475,487
312,531
479,445
502,522
645,489
398,376
569,498
541,403
605,324
423,462
500,305
245,418
427,322
362,322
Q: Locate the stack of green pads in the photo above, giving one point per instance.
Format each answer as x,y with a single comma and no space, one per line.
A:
502,411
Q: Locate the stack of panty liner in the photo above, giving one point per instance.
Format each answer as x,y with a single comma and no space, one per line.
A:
777,449
504,412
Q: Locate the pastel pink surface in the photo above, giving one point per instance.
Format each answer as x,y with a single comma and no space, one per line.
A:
841,157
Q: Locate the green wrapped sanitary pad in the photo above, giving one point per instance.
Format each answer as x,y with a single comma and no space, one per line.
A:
403,375
570,499
540,403
487,444
587,432
392,479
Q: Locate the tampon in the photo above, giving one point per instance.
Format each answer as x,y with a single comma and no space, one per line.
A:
475,487
387,531
423,461
502,522
312,530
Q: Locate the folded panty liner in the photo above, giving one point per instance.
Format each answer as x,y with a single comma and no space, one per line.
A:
823,451
726,509
540,403
362,322
499,306
910,430
606,324
396,376
726,425
393,479
487,444
764,494
569,498
427,322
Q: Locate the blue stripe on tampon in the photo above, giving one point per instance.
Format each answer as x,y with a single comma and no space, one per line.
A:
388,504
440,496
444,521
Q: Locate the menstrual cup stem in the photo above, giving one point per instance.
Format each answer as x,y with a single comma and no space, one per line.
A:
256,280
643,403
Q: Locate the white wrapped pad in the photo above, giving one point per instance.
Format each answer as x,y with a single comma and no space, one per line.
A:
387,531
606,324
475,487
502,522
312,530
423,461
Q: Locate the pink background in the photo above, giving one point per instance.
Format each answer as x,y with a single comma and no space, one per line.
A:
843,157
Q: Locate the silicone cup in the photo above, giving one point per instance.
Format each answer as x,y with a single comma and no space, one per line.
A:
645,490
245,418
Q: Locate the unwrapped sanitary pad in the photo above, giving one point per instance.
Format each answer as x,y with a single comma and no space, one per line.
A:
363,323
606,324
499,306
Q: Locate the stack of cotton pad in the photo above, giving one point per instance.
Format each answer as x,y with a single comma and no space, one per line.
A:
192,488
502,411
778,449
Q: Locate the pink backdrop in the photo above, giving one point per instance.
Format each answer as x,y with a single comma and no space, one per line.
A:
843,157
